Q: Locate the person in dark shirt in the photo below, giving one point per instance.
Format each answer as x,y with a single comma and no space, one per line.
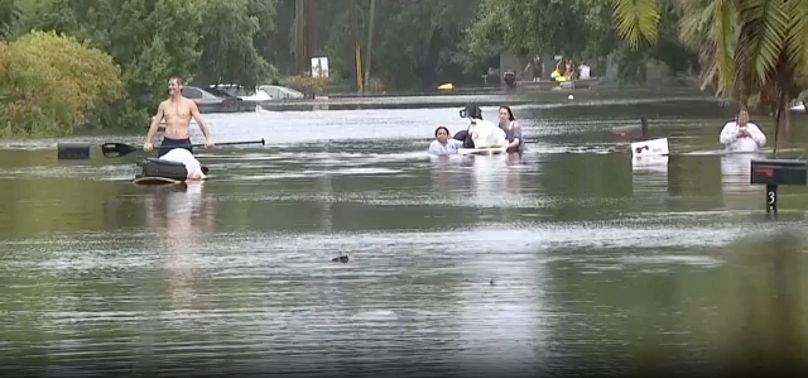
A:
507,122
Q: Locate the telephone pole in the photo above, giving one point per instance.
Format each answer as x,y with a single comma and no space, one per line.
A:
370,42
356,50
300,41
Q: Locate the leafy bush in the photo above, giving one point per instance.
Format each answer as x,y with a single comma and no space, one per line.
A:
51,83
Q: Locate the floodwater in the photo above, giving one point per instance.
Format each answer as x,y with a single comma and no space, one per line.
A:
566,261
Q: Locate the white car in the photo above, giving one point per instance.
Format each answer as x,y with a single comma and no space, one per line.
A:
273,92
262,93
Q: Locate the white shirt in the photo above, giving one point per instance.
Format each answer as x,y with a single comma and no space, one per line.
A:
585,72
185,157
488,134
451,146
729,138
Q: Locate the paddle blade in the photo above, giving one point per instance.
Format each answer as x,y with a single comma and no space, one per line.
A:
116,149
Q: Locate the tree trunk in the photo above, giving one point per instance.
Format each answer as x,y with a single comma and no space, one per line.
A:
369,52
781,118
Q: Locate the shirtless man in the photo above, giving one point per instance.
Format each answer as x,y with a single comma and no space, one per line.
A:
177,112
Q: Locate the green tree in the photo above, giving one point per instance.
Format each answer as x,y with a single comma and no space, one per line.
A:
749,49
171,49
422,39
53,83
227,43
8,17
266,14
581,29
418,43
152,40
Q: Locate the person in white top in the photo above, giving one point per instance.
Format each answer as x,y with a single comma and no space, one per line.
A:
486,134
585,72
442,145
483,134
192,166
742,135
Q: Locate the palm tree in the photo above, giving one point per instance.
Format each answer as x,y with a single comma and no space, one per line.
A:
749,49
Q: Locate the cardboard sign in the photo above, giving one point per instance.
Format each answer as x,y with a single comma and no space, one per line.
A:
650,147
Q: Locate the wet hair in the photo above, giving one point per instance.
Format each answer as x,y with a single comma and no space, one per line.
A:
442,128
472,111
177,78
510,113
742,110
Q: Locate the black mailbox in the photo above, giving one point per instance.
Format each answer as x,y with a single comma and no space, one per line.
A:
776,172
780,172
73,151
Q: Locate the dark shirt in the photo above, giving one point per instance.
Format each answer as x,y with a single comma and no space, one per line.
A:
513,133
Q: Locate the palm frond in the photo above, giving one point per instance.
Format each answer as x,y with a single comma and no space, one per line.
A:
711,27
695,22
710,70
725,34
797,37
637,20
762,40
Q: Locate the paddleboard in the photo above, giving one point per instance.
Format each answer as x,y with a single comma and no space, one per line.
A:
156,181
482,151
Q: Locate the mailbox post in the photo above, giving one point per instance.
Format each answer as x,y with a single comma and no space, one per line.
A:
774,172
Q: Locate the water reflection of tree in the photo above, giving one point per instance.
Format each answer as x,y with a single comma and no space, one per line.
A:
763,327
738,311
695,182
574,178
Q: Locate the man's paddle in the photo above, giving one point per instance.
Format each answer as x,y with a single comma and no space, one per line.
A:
120,149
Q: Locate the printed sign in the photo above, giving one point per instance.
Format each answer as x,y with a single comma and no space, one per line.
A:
319,67
650,147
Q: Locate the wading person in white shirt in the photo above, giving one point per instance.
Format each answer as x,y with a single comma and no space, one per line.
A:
742,135
442,145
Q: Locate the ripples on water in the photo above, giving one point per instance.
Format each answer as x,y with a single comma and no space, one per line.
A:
569,260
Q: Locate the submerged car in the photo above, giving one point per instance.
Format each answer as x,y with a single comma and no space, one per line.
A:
277,92
262,92
215,101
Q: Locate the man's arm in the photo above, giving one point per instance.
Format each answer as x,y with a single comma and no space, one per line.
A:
435,148
201,122
517,136
155,124
757,135
728,134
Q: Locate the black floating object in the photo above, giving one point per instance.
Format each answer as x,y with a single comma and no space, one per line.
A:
492,282
340,259
73,151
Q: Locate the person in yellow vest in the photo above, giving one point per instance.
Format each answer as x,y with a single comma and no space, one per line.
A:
560,72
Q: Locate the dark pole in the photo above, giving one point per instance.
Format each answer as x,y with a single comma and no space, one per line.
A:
357,76
300,52
370,41
311,30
